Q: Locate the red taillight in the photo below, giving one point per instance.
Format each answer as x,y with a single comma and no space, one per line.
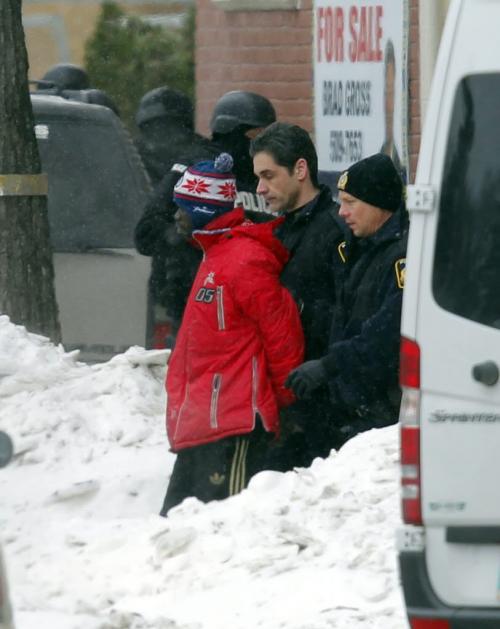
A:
410,473
409,367
429,623
409,419
160,334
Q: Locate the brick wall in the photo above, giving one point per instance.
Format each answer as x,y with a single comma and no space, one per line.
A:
269,52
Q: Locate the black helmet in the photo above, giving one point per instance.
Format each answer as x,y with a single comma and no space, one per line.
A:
164,102
241,108
67,76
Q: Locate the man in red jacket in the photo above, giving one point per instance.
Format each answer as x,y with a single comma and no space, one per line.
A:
240,336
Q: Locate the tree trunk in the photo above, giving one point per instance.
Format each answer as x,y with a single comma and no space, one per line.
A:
26,272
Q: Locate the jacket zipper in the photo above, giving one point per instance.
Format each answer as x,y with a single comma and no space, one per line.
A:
180,411
214,402
220,307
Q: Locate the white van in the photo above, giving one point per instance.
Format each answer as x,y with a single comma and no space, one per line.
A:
449,549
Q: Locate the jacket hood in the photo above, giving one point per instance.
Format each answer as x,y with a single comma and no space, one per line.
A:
235,224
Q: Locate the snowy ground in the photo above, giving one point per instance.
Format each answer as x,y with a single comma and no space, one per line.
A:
312,549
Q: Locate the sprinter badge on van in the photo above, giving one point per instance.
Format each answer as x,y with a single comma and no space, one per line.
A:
440,417
448,506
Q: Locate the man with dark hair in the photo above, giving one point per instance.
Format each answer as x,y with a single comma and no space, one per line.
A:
360,369
236,117
286,163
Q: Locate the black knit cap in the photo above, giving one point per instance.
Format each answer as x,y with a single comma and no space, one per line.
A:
374,180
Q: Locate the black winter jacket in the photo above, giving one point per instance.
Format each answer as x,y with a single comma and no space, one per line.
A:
363,355
312,235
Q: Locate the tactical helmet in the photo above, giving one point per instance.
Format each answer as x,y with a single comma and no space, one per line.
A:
164,102
241,108
67,76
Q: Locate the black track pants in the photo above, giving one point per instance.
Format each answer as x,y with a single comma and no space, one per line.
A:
215,471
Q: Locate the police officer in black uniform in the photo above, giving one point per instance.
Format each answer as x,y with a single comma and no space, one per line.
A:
165,119
287,163
360,369
236,117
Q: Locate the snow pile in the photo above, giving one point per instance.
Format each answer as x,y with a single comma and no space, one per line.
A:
85,549
57,408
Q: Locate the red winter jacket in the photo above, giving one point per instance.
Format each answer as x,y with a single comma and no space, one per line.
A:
239,339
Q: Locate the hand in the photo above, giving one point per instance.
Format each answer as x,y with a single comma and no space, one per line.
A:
306,378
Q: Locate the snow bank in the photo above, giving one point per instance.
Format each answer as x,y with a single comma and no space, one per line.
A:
311,549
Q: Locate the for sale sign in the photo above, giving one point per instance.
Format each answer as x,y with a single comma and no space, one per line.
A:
360,81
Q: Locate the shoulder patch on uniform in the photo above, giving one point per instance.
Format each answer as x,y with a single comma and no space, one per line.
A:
400,269
341,251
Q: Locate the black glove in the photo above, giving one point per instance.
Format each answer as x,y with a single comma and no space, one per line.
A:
306,378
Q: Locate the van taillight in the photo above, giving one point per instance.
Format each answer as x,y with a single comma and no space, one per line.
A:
429,623
409,368
409,421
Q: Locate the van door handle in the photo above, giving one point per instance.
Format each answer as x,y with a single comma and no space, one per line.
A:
486,373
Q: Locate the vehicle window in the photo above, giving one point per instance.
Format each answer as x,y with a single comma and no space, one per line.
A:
467,255
95,193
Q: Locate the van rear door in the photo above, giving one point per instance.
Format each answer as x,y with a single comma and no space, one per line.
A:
454,257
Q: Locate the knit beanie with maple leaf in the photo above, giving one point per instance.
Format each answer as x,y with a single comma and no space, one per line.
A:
207,190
